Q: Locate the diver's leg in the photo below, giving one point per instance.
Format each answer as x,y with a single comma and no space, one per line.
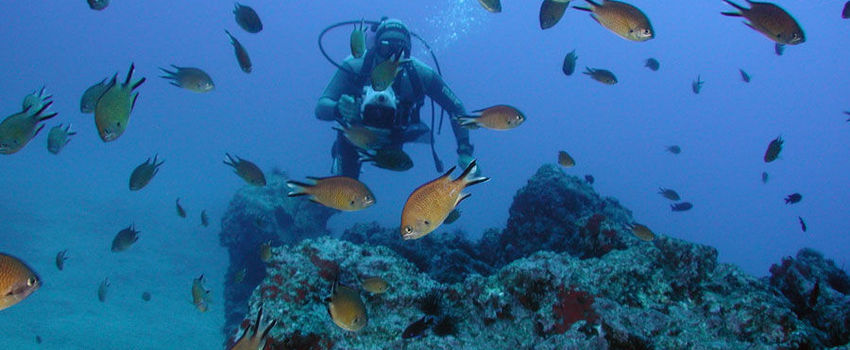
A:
346,159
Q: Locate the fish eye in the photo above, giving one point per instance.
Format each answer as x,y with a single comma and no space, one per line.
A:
351,203
31,281
408,229
427,223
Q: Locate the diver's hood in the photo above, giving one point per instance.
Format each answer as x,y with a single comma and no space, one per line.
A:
378,99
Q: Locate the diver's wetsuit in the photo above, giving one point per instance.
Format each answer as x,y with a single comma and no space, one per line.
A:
406,126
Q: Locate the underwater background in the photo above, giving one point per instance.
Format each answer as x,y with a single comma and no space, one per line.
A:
78,199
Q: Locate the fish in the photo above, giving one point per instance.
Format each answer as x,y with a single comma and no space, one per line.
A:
125,238
338,192
251,337
189,78
113,108
241,54
384,73
802,223
674,149
180,211
60,259
246,169
239,276
625,20
770,20
266,251
668,193
453,216
200,294
346,308
569,66
91,95
764,177
20,128
696,85
58,137
565,160
394,159
364,137
778,49
652,64
417,328
551,12
589,178
146,296
601,75
17,281
143,173
642,232
375,285
102,289
493,6
205,219
845,13
773,149
36,99
357,40
498,117
681,206
793,198
429,205
98,4
847,113
744,76
247,18
38,339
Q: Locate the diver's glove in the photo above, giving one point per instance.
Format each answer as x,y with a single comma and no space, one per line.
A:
348,108
463,161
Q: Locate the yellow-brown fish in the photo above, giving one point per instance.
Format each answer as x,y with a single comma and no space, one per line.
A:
565,160
601,75
375,285
623,19
205,219
241,54
338,192
102,289
143,173
498,117
60,259
189,78
180,211
346,308
364,137
266,251
58,137
384,73
112,111
17,281
246,169
18,129
91,95
200,294
251,338
642,232
358,40
125,238
494,6
551,12
669,194
770,20
430,204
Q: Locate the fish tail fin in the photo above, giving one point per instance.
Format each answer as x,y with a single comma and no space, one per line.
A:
135,97
229,160
582,8
588,70
38,130
467,176
365,156
468,121
229,35
739,7
298,188
40,117
268,329
130,73
138,83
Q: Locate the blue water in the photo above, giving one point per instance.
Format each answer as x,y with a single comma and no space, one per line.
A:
79,199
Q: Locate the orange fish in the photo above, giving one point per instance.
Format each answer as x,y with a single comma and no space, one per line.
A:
247,170
498,117
338,192
430,204
17,281
642,232
251,338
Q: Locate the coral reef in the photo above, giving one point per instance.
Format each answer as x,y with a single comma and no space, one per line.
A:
256,215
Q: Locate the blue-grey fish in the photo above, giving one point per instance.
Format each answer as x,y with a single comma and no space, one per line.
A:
143,173
125,238
675,149
764,177
357,40
20,128
668,193
60,259
846,12
652,64
744,76
771,20
189,78
696,85
98,4
241,54
601,75
58,137
793,198
247,18
205,219
180,211
112,111
681,206
92,94
394,159
569,66
36,99
773,149
102,289
551,11
494,6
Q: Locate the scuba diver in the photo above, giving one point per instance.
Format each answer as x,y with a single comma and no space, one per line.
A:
394,113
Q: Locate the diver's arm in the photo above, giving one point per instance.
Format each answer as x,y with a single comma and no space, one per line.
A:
437,89
342,83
